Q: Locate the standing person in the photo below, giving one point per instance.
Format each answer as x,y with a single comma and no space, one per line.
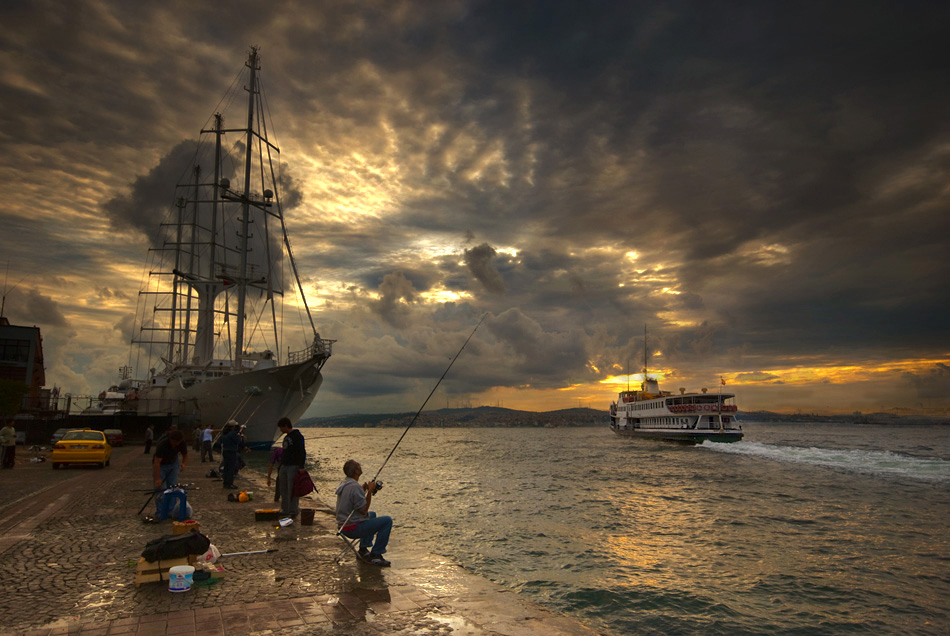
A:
293,461
275,456
149,436
355,519
198,434
230,444
207,438
8,445
165,465
242,447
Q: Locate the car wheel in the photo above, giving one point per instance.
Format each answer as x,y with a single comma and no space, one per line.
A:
55,465
101,465
108,461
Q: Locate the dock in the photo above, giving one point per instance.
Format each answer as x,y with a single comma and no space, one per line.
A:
71,540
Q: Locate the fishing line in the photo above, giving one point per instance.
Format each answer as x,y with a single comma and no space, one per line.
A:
430,396
349,541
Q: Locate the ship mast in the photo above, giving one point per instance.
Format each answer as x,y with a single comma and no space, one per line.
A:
644,386
246,209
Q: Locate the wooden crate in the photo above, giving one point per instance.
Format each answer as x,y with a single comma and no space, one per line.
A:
156,571
264,514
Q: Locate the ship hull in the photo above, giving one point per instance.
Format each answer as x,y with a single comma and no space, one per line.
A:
257,399
681,436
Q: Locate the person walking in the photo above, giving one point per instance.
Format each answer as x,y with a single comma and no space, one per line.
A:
149,436
8,445
207,438
292,461
355,519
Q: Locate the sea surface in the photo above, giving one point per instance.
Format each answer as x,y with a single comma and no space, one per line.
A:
798,529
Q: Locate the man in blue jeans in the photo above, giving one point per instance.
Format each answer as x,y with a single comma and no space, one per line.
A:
165,464
356,520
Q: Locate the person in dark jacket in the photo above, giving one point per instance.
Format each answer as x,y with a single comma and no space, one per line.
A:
230,446
292,461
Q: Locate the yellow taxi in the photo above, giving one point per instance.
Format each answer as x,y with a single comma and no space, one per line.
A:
82,446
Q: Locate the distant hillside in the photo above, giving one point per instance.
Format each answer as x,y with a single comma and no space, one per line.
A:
482,416
493,416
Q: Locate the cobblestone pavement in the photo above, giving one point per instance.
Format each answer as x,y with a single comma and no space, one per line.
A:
71,539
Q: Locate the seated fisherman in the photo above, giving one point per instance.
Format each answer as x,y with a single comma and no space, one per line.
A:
355,518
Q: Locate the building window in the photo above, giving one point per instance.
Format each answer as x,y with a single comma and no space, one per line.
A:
14,350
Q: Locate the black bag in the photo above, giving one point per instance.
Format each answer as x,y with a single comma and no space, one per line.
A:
175,546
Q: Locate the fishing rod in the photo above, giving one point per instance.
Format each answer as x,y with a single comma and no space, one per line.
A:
250,552
350,543
430,396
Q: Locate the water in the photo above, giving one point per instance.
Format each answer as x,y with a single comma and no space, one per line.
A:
798,529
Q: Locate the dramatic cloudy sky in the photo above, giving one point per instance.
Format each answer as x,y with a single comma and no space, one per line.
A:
764,185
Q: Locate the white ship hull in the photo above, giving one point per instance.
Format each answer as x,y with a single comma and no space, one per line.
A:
255,398
682,436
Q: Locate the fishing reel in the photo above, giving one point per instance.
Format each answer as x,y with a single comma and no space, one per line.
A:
379,486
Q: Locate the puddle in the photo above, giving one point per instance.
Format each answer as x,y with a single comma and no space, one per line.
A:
454,625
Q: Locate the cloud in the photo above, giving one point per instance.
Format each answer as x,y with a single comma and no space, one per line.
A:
152,195
43,310
479,262
396,294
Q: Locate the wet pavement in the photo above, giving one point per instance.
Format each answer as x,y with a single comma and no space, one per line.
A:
71,539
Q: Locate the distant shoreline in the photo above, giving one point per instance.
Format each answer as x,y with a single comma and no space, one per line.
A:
499,417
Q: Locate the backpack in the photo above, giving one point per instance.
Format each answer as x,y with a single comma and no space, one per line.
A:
175,546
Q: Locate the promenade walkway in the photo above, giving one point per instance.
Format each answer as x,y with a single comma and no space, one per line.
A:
70,540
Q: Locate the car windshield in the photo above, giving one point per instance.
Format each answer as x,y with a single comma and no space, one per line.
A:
60,431
83,435
112,431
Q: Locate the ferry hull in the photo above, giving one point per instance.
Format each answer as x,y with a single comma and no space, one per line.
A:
256,398
682,436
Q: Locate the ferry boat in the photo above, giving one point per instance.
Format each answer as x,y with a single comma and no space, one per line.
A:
690,418
210,319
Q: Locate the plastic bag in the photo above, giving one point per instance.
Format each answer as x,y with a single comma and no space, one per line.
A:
210,556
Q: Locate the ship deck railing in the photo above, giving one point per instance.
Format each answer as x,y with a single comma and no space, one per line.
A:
321,348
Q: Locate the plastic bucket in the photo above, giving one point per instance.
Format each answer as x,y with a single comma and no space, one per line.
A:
180,578
306,517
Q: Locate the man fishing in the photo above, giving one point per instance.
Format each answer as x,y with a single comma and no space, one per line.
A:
356,520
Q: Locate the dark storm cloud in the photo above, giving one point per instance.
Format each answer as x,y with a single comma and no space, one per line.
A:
43,310
756,183
479,262
152,195
396,294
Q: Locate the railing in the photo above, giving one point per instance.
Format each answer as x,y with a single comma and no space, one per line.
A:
703,408
321,347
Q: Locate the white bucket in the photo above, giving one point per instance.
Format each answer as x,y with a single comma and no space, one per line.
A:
180,578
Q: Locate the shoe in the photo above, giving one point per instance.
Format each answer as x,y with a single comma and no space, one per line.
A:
364,553
377,559
231,487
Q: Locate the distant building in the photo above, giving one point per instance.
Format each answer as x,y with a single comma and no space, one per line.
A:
21,360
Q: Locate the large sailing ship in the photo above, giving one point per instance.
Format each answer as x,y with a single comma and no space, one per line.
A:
212,313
